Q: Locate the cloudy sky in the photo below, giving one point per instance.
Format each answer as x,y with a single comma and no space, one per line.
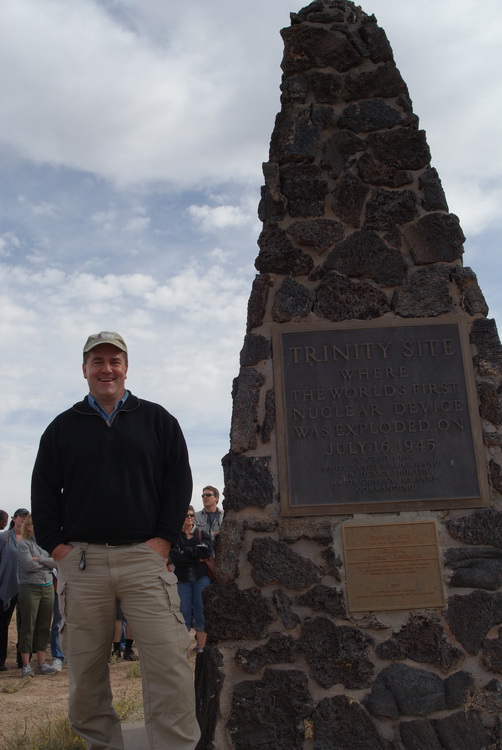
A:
132,134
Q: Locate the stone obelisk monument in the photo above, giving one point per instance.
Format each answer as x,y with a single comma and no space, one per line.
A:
358,595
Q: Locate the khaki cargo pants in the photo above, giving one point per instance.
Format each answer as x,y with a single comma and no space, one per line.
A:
136,576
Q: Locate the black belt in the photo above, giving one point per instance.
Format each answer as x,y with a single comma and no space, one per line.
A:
116,544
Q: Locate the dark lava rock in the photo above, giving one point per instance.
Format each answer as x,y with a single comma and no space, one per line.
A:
364,253
292,301
435,238
320,234
386,208
421,639
485,336
479,567
400,690
275,562
246,392
254,350
268,713
432,190
339,150
470,617
492,653
347,198
277,255
403,148
472,297
324,599
290,619
235,614
341,723
463,731
365,116
336,654
279,649
308,47
248,481
426,294
339,298
483,526
258,301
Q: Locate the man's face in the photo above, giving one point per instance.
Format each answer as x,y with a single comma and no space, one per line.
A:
3,521
105,370
209,499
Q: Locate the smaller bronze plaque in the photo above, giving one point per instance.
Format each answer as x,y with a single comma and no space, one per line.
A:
392,566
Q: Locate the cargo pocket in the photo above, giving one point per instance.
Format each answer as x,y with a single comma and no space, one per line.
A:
169,581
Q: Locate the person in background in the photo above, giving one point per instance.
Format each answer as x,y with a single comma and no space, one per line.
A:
210,519
110,489
194,546
121,629
4,519
35,602
56,650
9,578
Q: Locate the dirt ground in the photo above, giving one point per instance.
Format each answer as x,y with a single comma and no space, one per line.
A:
33,702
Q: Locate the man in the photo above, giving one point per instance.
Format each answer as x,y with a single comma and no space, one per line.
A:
110,490
4,519
211,518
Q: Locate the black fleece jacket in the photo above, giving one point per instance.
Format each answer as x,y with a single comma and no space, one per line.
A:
126,482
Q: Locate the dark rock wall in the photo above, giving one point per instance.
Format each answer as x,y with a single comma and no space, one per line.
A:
355,226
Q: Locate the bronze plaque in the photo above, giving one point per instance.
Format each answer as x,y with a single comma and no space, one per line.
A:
392,566
377,416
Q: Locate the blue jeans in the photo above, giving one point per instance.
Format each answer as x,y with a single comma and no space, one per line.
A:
191,601
56,622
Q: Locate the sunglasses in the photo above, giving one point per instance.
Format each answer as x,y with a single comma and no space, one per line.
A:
208,494
190,515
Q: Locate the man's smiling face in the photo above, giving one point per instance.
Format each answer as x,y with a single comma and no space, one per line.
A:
105,370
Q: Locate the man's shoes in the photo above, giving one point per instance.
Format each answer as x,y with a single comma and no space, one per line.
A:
3,668
57,664
129,655
114,657
27,671
45,669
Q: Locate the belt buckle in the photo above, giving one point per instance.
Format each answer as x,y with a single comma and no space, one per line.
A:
112,546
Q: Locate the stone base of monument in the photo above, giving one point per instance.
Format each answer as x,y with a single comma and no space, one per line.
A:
358,596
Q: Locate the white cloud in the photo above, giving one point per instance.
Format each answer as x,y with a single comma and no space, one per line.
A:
48,210
42,209
9,243
123,105
137,224
477,205
220,256
218,217
105,219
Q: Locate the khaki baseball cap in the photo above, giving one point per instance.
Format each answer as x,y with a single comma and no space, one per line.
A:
105,337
